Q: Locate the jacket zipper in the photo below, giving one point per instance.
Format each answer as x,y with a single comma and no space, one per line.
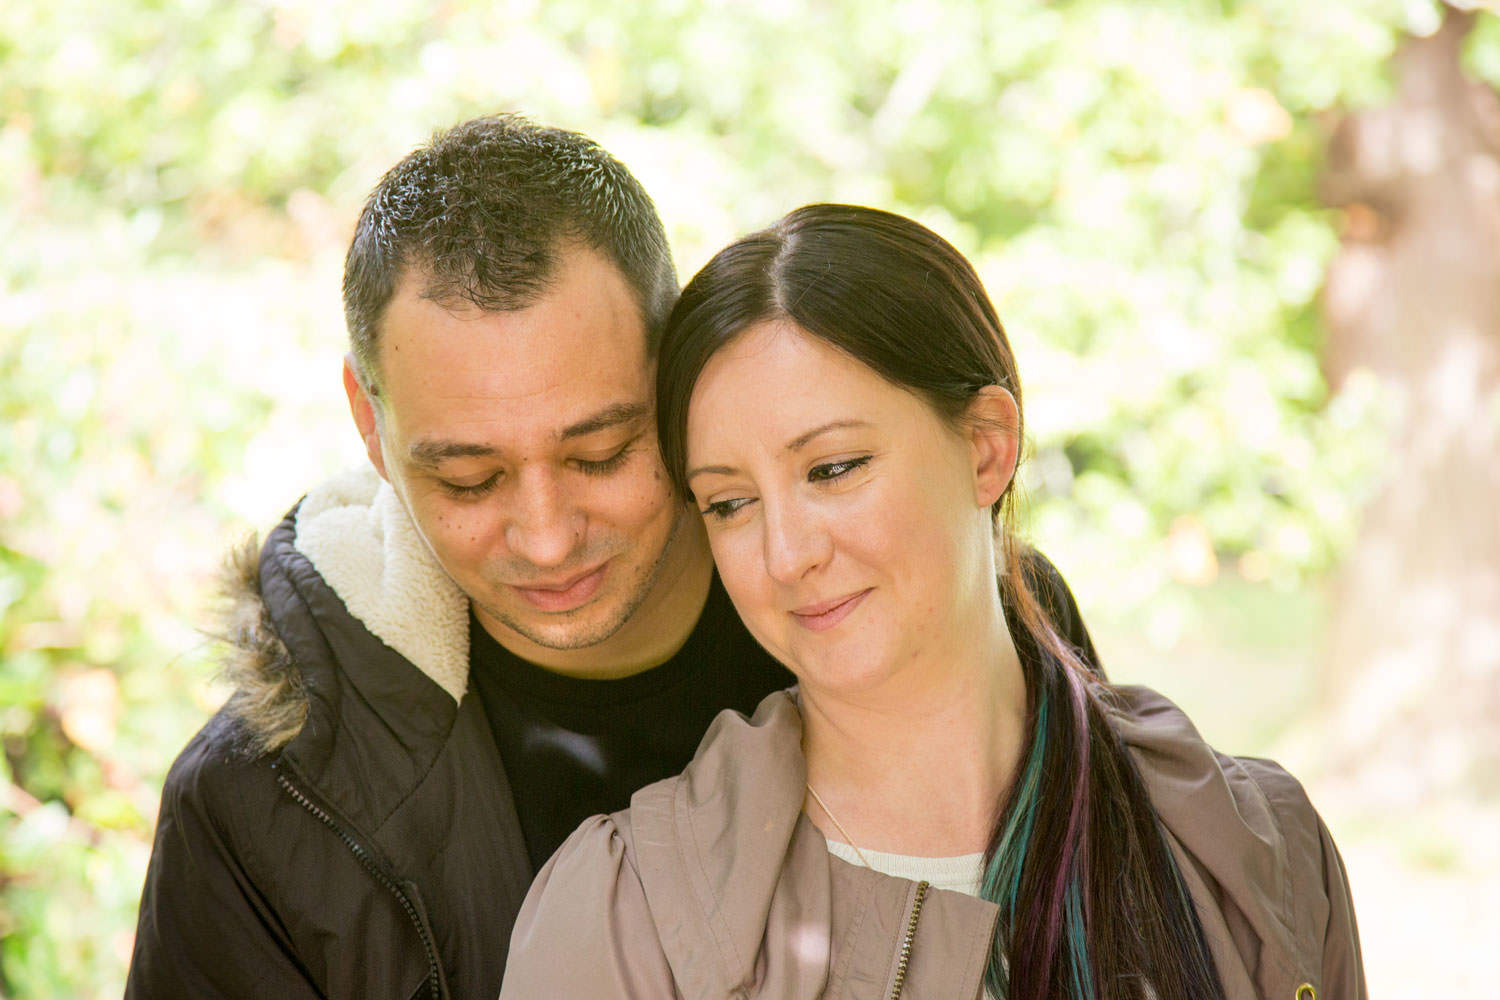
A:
375,871
911,934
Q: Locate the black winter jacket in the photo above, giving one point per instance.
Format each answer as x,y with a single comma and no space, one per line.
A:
343,827
376,853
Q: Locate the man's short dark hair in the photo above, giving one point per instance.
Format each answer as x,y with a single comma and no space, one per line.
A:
481,213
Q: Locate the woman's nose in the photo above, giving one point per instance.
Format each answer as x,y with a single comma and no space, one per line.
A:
796,542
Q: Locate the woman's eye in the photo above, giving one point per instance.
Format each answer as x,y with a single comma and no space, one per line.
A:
721,510
829,471
473,492
603,466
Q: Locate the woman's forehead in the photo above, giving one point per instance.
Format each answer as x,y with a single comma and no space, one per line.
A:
776,382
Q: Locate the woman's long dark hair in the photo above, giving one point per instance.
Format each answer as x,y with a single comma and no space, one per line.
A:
1092,903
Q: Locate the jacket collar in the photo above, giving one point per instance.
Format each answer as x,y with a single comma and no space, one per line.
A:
358,536
350,649
344,576
740,881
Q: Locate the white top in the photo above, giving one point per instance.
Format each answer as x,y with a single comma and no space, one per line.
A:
961,873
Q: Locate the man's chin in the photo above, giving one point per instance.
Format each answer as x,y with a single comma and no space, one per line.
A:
620,597
580,629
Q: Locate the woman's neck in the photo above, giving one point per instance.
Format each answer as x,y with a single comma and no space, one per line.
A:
921,764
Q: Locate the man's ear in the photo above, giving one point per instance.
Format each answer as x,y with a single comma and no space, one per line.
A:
994,442
362,408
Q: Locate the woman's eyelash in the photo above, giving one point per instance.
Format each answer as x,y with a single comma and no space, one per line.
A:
723,509
829,471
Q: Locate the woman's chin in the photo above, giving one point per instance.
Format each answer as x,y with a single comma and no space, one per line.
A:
842,675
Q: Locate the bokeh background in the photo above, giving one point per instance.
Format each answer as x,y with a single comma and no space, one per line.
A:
1249,253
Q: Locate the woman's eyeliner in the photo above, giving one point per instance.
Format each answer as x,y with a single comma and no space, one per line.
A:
721,510
827,472
830,471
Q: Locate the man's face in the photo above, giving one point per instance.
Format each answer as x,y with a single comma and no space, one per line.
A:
523,444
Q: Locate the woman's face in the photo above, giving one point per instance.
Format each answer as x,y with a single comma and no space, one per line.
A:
849,522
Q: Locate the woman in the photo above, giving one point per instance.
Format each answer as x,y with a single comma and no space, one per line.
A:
948,803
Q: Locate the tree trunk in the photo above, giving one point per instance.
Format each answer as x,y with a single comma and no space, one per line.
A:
1414,295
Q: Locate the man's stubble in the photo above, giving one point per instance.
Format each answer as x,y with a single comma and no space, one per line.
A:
640,589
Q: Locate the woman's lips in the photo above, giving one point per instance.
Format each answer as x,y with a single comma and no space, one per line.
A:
569,594
825,615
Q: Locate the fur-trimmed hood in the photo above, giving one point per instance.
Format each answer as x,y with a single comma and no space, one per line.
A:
360,540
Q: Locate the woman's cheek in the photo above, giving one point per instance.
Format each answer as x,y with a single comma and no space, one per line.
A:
741,570
726,559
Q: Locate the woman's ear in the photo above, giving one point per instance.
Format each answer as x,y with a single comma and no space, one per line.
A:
994,442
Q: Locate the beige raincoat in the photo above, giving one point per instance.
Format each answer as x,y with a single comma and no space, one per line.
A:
715,884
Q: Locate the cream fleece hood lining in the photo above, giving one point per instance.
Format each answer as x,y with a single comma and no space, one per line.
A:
358,536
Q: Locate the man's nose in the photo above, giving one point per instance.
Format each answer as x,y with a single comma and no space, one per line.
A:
796,541
544,527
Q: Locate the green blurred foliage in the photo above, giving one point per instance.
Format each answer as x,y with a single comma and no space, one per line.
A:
1136,181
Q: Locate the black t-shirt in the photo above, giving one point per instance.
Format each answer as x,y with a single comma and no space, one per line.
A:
573,747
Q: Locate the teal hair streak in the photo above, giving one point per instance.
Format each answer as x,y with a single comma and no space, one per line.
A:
1078,948
1002,876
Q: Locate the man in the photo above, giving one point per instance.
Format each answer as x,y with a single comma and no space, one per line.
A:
444,664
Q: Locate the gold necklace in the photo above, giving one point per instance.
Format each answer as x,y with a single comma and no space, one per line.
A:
837,825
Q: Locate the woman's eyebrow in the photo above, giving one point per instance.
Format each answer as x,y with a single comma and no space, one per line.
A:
800,441
704,470
803,439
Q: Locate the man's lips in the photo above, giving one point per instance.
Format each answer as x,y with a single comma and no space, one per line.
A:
564,595
826,614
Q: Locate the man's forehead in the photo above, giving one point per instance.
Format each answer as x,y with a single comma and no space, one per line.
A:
585,313
574,362
516,395
576,329
570,274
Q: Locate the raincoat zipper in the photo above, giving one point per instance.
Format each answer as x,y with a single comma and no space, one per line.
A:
375,871
911,934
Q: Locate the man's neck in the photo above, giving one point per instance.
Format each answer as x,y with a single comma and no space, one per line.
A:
654,632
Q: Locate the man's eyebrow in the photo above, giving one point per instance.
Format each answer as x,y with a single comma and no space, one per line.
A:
432,453
610,416
800,441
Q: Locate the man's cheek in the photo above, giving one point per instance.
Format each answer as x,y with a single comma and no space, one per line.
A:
454,529
633,504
